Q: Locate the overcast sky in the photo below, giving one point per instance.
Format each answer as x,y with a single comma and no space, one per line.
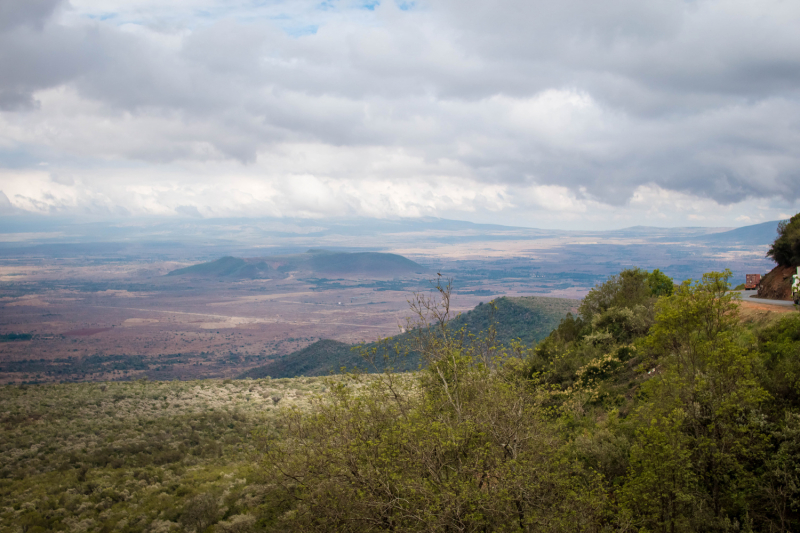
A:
575,114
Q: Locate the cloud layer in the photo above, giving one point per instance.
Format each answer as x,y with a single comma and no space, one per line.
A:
526,112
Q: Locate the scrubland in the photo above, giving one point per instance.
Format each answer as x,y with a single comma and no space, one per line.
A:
140,455
654,408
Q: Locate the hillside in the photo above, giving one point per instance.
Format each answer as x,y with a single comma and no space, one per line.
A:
777,284
306,362
529,319
314,263
757,234
362,264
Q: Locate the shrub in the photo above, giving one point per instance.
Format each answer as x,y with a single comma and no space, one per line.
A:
200,512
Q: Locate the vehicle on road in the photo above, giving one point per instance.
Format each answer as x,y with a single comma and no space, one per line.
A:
751,281
796,287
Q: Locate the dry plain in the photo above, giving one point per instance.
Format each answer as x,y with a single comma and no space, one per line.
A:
171,328
109,312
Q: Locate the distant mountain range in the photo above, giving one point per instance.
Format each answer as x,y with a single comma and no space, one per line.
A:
369,265
528,318
204,238
756,234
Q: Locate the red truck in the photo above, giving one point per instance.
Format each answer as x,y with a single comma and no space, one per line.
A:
751,281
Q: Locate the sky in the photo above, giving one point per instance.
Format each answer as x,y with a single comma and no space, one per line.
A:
575,114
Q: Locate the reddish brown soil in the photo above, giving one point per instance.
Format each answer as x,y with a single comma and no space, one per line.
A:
180,329
777,285
776,308
85,332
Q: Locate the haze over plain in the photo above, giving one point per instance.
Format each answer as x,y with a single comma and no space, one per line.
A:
569,116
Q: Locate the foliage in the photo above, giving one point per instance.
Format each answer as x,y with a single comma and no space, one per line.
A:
660,284
318,358
786,249
9,337
595,352
464,445
649,410
700,428
626,289
137,456
779,345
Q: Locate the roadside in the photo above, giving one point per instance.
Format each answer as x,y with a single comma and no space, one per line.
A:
751,297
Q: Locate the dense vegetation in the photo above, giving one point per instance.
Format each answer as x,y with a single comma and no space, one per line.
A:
317,359
527,319
649,411
786,248
10,337
138,455
654,408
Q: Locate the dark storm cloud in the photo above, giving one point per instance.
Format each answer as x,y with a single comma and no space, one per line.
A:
37,55
31,13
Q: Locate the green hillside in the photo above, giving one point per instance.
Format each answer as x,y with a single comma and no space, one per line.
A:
305,362
529,319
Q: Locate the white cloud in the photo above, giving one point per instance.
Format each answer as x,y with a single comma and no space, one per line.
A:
521,112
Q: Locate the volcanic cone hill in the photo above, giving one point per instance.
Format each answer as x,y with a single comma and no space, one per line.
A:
363,264
228,267
314,263
528,318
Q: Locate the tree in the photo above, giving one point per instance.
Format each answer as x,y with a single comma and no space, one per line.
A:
630,288
200,512
613,315
660,284
464,445
701,429
626,289
786,249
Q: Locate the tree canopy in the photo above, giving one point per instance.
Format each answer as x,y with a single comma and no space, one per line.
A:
786,249
655,409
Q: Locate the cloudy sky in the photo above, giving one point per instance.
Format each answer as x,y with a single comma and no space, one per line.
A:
574,114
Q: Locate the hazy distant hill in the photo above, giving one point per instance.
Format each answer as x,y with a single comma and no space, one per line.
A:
529,318
228,267
371,265
363,264
755,235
